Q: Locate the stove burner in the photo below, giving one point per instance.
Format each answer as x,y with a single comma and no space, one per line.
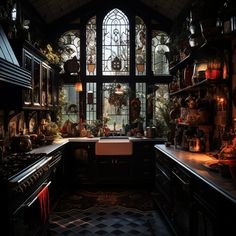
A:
17,162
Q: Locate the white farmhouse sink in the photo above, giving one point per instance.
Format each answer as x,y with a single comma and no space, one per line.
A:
114,147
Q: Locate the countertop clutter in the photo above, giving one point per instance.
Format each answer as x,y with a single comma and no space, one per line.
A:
197,164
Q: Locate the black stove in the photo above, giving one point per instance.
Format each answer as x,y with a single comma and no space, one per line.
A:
21,174
17,163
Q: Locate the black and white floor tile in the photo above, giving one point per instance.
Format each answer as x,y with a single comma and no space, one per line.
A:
106,219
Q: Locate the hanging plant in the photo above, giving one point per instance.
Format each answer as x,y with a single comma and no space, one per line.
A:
117,96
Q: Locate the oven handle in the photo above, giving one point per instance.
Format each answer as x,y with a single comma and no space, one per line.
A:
55,161
31,202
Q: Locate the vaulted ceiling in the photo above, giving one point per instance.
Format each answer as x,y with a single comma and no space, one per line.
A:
53,10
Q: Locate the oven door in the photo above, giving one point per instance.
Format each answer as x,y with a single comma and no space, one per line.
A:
31,218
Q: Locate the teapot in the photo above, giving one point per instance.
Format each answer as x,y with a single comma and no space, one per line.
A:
21,143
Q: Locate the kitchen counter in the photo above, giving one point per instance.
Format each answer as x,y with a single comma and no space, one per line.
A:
61,142
95,139
193,162
51,147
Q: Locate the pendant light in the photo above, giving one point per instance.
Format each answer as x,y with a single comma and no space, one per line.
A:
118,89
79,85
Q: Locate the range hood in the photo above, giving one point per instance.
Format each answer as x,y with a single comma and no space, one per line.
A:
10,70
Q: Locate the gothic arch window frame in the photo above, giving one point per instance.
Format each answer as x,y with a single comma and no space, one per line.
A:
115,44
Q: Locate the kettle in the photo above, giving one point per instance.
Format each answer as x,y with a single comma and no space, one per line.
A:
21,143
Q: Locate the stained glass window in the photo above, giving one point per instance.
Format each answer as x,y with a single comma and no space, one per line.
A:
160,49
140,47
69,47
91,102
91,46
116,44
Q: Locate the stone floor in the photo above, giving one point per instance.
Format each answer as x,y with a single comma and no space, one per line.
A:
107,213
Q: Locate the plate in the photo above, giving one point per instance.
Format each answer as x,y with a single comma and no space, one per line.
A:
212,165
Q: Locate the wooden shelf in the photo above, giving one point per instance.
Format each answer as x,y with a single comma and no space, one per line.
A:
206,82
189,59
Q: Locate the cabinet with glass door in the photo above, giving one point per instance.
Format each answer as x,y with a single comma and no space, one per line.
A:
43,94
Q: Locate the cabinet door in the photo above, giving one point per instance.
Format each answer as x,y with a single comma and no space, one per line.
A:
50,90
144,164
110,169
163,185
204,220
36,83
79,163
28,65
44,86
182,201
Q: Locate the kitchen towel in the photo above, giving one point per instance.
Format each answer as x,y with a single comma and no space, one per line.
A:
43,197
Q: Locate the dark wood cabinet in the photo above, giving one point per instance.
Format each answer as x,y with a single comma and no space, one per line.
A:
173,194
144,165
83,166
79,163
191,205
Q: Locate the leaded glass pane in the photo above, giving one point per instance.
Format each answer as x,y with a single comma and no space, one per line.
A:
140,47
161,110
70,109
160,49
91,45
115,106
116,44
140,89
91,102
69,47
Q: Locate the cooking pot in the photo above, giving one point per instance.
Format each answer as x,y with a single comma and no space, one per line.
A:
21,143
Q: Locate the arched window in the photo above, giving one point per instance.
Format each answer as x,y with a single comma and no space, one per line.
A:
91,47
160,63
69,48
115,44
140,47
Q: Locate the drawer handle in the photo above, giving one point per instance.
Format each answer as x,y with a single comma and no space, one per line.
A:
180,179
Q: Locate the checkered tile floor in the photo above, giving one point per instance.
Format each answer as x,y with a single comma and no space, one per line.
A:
103,220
